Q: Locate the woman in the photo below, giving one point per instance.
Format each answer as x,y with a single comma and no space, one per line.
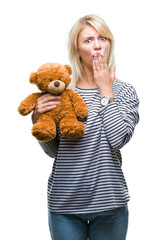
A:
87,192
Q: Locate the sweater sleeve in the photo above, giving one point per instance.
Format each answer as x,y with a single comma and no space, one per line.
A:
50,147
121,117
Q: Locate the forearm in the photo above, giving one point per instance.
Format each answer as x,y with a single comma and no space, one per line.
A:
121,117
35,117
118,132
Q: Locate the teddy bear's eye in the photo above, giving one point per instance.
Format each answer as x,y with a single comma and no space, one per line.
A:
59,79
50,79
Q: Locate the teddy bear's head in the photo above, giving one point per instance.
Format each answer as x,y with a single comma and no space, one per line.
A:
52,77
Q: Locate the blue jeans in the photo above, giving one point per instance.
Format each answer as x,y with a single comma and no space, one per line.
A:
107,225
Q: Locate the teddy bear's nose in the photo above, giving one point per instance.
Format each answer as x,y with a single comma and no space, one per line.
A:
56,84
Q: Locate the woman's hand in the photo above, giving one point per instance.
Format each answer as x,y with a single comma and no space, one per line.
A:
103,77
44,104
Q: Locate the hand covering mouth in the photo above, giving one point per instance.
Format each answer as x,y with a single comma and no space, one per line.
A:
97,53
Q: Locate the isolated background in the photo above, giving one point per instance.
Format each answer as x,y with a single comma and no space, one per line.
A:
34,32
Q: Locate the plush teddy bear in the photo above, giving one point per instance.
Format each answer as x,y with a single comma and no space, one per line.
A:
54,78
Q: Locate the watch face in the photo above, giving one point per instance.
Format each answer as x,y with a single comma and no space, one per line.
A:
104,101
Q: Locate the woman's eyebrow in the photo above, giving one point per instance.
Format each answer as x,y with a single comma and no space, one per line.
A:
90,36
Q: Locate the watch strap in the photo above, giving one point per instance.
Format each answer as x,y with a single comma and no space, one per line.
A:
111,100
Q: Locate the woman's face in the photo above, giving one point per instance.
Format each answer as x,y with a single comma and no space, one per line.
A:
89,43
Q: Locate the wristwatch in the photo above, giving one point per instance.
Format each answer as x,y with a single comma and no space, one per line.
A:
106,100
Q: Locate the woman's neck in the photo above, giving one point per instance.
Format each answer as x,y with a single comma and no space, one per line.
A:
87,81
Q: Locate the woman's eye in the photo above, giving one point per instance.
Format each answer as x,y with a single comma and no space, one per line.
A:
88,40
103,38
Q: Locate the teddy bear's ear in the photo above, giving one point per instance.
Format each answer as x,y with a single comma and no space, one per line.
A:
69,69
33,77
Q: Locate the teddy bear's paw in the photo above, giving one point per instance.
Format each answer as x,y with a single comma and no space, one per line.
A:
72,130
82,112
42,134
24,110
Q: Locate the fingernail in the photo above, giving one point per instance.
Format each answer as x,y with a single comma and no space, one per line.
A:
102,53
98,52
54,106
58,97
58,102
96,55
93,61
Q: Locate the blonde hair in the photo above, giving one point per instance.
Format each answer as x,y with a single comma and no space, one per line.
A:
75,60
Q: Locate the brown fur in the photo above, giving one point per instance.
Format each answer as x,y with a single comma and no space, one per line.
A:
65,114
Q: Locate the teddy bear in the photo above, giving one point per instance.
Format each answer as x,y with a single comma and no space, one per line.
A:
54,78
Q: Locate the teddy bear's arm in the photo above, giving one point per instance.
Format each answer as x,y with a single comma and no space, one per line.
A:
28,104
78,103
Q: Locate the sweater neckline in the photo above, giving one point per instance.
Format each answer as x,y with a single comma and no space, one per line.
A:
86,89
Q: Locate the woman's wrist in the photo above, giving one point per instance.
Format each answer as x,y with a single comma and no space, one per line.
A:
35,117
108,92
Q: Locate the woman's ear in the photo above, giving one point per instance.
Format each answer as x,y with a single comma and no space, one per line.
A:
33,77
69,69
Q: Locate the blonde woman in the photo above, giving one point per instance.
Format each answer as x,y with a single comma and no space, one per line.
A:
87,191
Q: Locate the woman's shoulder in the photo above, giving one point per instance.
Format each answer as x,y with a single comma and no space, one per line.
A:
120,85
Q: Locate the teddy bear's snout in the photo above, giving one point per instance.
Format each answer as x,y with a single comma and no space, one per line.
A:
57,84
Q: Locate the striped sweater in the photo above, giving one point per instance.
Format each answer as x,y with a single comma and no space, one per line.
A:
87,175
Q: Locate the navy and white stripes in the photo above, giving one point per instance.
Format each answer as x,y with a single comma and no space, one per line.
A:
87,175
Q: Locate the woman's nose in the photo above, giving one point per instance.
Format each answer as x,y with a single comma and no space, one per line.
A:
97,45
